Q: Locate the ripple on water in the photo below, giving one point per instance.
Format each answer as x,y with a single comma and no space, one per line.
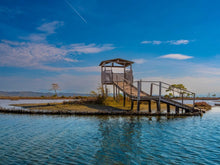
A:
39,139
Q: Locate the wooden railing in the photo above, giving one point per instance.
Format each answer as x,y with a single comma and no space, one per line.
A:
161,86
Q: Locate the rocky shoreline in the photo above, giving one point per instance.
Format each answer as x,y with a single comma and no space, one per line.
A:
86,113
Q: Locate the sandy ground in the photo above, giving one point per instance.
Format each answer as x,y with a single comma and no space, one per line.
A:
90,107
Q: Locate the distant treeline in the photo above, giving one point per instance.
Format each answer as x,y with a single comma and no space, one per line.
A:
38,94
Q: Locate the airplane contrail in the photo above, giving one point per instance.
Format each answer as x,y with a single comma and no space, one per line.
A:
75,11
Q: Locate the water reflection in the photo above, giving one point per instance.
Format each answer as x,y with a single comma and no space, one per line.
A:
119,137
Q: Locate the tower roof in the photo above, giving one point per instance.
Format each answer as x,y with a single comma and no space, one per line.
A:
119,61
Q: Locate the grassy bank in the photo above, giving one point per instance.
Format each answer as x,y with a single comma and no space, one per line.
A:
93,104
90,105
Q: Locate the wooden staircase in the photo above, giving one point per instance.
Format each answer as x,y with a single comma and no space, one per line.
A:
136,94
129,89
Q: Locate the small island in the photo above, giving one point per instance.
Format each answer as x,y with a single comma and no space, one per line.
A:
129,97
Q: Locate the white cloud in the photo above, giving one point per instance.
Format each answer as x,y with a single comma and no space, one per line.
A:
38,55
157,42
139,61
78,69
152,42
87,69
209,71
172,42
50,27
35,37
45,30
91,48
146,42
176,56
178,42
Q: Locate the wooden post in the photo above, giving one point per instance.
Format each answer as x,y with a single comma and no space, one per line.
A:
177,109
114,92
118,95
149,106
182,102
151,89
194,97
138,96
124,71
103,91
168,108
158,106
106,91
138,106
132,104
124,99
182,98
140,84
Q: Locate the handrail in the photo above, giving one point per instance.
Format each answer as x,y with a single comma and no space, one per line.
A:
162,85
173,89
183,90
167,84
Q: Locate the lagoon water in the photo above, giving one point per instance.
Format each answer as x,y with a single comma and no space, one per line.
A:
45,139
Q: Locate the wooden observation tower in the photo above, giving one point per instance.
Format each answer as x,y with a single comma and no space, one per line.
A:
118,73
116,70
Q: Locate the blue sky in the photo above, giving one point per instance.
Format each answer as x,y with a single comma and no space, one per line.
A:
63,41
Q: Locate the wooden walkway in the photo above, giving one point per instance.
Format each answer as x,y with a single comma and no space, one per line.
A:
136,94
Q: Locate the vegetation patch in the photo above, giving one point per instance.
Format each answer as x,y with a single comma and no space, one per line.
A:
203,105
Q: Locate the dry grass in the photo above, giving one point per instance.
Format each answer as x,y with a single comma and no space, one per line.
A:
84,106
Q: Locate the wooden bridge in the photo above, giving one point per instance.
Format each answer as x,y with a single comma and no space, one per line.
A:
136,93
139,91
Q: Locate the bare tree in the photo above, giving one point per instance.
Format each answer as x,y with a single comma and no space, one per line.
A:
55,87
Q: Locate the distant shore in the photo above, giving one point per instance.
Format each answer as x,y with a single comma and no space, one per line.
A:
40,98
81,97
